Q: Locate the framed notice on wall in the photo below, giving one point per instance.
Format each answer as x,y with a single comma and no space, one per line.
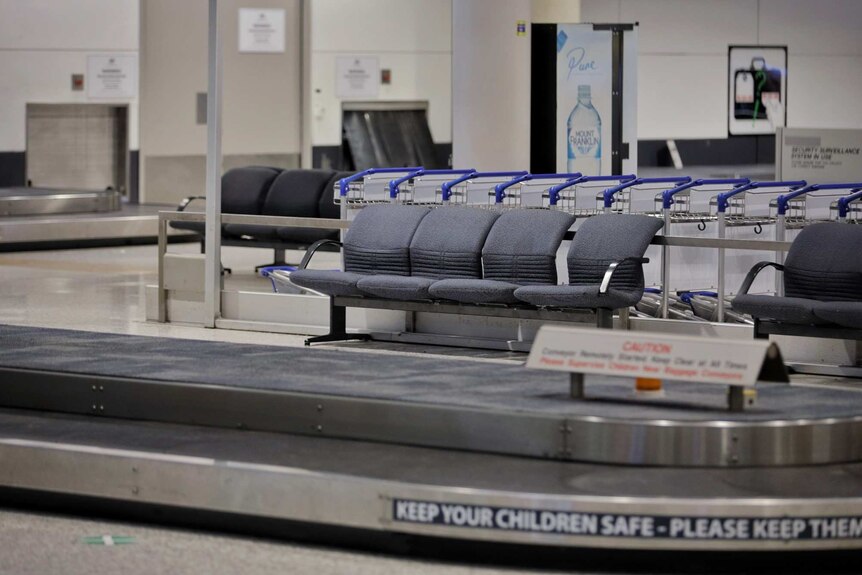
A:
757,89
112,76
261,30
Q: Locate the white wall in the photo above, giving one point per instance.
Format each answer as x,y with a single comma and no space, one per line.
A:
44,42
490,85
261,95
682,64
413,38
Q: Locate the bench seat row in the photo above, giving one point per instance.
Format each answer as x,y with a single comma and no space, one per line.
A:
480,256
258,190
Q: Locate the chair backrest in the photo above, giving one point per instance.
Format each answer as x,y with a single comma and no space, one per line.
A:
243,189
607,238
522,246
327,206
448,243
296,193
378,240
825,263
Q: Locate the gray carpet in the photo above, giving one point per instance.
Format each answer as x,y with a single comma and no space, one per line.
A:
462,383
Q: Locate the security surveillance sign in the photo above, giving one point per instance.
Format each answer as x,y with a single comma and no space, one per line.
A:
261,30
112,76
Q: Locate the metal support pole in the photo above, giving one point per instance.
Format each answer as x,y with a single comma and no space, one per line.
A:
604,318
665,266
736,398
721,251
213,277
576,385
780,230
163,248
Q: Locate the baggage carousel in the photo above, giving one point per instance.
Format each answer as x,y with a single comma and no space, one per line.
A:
441,448
25,201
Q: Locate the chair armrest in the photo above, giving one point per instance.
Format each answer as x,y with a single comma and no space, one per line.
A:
185,203
609,273
752,274
313,248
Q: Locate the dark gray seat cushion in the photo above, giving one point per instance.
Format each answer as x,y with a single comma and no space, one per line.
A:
378,241
448,243
330,282
788,309
578,296
396,287
243,191
825,263
843,313
600,241
326,208
293,193
474,291
521,247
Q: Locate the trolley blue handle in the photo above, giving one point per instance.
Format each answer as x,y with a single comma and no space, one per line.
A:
447,187
396,183
344,182
554,193
783,200
667,195
723,199
608,194
844,203
499,189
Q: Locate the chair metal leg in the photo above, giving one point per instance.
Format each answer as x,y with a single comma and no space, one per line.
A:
604,318
337,327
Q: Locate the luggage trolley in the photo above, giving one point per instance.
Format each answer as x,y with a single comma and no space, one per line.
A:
565,196
618,198
731,210
423,187
848,209
528,191
476,189
676,207
367,187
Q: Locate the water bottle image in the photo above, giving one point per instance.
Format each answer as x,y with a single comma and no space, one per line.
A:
584,134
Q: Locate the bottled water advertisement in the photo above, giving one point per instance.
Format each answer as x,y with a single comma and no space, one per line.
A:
583,99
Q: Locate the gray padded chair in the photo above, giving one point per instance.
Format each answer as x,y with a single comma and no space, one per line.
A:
605,264
822,280
447,244
243,191
521,249
377,242
292,193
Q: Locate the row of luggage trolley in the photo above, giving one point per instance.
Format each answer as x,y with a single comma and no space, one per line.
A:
698,207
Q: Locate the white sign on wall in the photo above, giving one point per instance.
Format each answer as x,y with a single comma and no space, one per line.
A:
261,30
112,76
819,155
357,77
584,60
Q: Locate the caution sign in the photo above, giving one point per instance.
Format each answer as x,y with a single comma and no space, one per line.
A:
618,525
653,355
